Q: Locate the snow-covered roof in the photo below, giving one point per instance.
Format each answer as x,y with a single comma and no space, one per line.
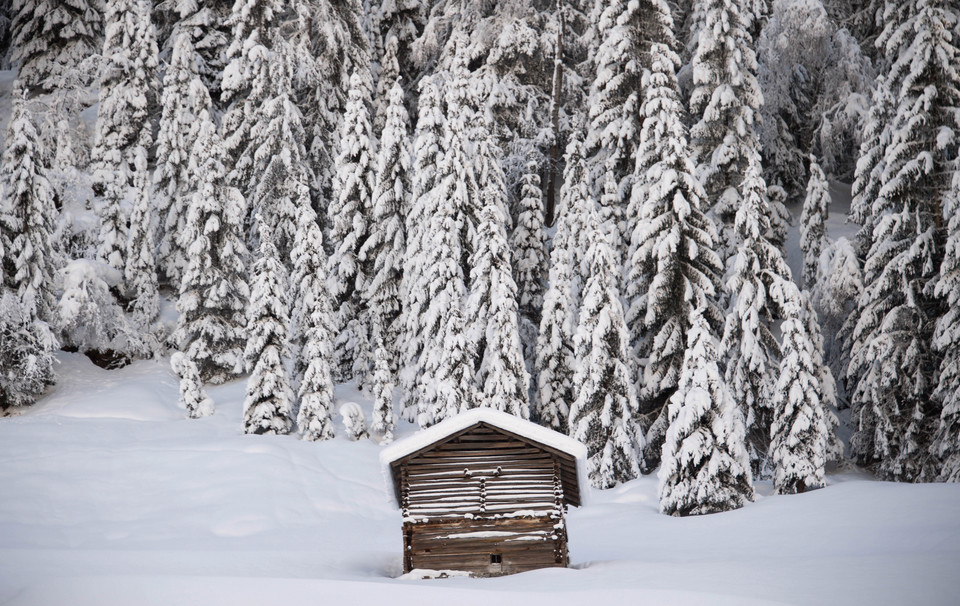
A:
424,439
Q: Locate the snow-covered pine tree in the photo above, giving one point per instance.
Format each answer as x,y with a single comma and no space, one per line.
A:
602,415
528,243
388,77
798,435
349,220
946,338
427,156
312,330
751,351
192,395
530,265
280,173
816,209
479,163
384,421
184,97
28,217
26,353
385,247
268,404
332,42
140,274
493,318
28,262
555,361
892,354
674,268
724,106
246,84
828,385
875,138
52,37
213,291
127,90
705,466
614,121
447,366
204,23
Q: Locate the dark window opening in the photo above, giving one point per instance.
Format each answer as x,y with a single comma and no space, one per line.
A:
496,558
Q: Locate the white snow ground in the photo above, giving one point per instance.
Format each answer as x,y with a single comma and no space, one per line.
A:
109,496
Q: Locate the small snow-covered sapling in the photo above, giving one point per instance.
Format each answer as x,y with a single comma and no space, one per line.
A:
353,421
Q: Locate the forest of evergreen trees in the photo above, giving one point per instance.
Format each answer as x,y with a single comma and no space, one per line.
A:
574,211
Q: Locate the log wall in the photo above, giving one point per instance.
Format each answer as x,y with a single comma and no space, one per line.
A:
484,502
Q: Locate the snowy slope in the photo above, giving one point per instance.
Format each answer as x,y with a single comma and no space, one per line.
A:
108,496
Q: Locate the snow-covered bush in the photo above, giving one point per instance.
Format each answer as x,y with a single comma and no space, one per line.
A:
353,421
90,318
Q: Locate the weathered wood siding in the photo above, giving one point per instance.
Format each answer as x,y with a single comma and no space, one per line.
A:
484,502
486,547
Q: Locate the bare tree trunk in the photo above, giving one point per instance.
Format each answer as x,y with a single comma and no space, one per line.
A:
554,160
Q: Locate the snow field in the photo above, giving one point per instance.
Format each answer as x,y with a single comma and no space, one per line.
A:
111,497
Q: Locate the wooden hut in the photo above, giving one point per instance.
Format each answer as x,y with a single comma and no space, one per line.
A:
485,492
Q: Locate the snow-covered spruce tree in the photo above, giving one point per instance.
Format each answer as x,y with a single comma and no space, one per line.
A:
26,353
332,42
493,318
349,220
530,264
384,421
388,77
280,177
268,404
946,441
874,139
829,398
52,37
528,243
28,217
447,366
798,435
28,261
385,247
724,106
193,397
624,30
213,291
184,97
705,466
312,330
751,351
246,84
816,209
140,274
892,354
127,89
674,268
204,23
427,156
555,361
602,415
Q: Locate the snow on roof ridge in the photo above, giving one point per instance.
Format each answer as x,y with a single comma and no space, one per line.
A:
502,420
